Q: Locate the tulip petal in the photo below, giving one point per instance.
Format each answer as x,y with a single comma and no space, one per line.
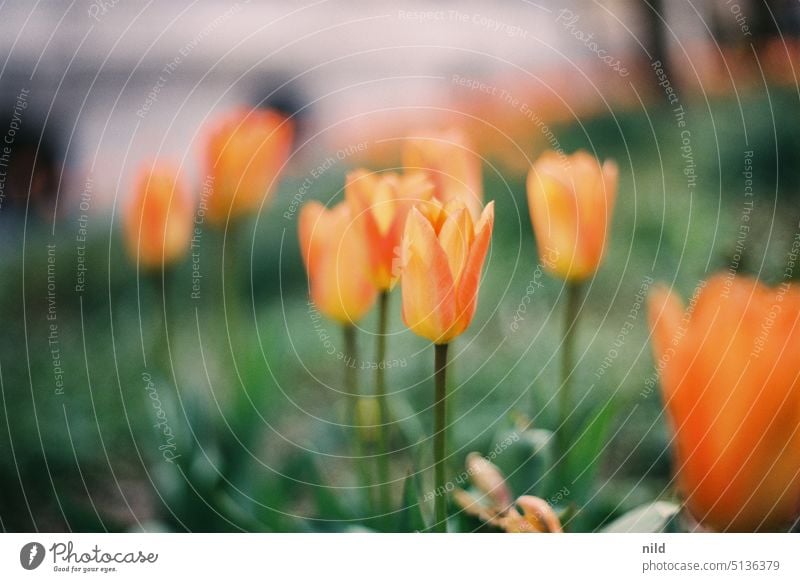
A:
456,238
311,233
467,294
732,390
428,289
665,312
336,261
539,514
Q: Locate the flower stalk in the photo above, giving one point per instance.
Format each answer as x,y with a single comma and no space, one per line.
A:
571,316
440,437
380,392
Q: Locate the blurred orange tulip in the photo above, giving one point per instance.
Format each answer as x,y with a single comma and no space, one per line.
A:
443,253
730,375
571,200
451,164
245,154
336,261
158,222
380,205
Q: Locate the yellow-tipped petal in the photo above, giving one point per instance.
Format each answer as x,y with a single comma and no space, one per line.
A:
539,514
489,480
429,307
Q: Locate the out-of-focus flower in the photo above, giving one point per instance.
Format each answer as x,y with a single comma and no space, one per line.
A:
571,200
443,254
488,479
495,506
380,204
451,164
537,517
336,261
730,376
158,222
245,153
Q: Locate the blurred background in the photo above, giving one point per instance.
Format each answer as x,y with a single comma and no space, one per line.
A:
696,101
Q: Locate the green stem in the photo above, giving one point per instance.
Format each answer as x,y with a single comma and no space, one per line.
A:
231,294
567,364
160,362
353,396
350,376
380,392
440,437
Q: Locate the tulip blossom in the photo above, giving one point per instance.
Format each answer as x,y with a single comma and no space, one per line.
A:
443,254
451,165
245,154
380,204
495,506
731,384
336,261
571,199
158,221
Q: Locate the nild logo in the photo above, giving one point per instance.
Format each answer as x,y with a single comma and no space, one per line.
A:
31,555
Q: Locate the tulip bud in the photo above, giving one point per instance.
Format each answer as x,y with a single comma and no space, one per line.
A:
443,254
380,204
475,508
537,516
158,221
730,383
571,200
336,261
451,165
489,480
368,418
245,154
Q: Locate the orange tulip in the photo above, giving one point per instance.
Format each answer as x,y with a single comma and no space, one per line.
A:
443,253
158,222
380,204
245,154
731,383
570,202
451,164
336,262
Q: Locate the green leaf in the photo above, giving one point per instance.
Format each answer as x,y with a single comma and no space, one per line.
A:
653,517
410,518
583,457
